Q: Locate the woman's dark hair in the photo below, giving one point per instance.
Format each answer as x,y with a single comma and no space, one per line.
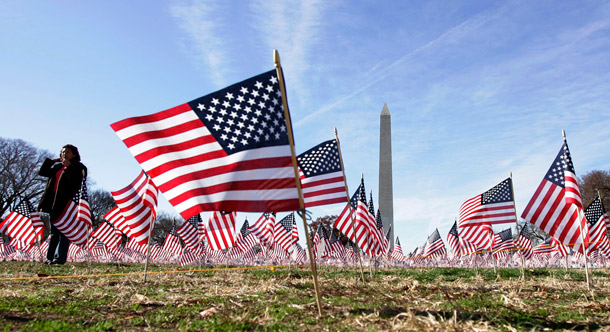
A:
74,151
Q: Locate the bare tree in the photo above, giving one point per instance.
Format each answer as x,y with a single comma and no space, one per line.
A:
163,225
19,165
593,181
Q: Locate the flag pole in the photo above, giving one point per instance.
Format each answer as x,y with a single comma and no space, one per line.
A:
351,215
280,75
150,231
512,189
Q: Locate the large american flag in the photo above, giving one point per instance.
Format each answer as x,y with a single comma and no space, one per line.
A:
75,221
23,224
227,151
137,204
556,207
321,175
220,230
478,214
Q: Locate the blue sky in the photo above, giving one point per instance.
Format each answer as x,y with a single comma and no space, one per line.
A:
476,89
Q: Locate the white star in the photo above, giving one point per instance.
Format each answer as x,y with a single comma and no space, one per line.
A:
209,117
273,79
215,101
265,96
226,104
258,85
212,109
231,146
241,99
233,114
229,96
269,88
200,107
244,90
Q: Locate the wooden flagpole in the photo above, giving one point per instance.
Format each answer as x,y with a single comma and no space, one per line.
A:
351,215
517,222
280,75
150,232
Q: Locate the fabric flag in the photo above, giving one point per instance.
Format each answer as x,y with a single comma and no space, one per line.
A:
556,207
453,239
188,233
220,230
23,223
397,252
137,203
115,218
282,232
263,228
75,221
523,242
245,240
321,242
434,246
172,242
597,218
321,175
385,241
105,234
227,151
344,221
478,214
503,243
337,249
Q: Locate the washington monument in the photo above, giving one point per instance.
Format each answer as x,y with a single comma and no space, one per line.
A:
386,198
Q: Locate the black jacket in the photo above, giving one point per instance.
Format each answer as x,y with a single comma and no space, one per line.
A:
69,183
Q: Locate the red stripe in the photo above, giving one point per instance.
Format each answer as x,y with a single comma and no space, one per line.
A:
162,115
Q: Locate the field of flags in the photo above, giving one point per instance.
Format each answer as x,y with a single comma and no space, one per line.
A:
232,151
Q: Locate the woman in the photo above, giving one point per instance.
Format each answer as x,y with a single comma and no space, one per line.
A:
65,175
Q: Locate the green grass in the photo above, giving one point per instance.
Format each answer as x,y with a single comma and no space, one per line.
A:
284,299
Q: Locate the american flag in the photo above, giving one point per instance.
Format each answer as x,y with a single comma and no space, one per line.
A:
75,221
137,203
172,242
453,239
245,240
385,241
23,223
321,243
263,228
299,255
220,230
434,245
503,243
523,242
227,151
321,175
106,234
556,204
597,218
397,254
344,222
282,232
115,217
188,233
337,249
188,257
495,206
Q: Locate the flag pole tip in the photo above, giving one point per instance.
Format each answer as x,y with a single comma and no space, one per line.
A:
276,57
563,133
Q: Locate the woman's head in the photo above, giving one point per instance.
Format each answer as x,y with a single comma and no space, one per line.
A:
69,152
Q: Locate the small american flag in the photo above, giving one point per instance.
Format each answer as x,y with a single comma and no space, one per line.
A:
397,254
115,218
282,232
137,203
503,242
556,205
434,246
263,228
106,234
495,206
188,233
523,242
23,224
227,151
245,240
220,231
172,242
321,175
75,221
597,218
